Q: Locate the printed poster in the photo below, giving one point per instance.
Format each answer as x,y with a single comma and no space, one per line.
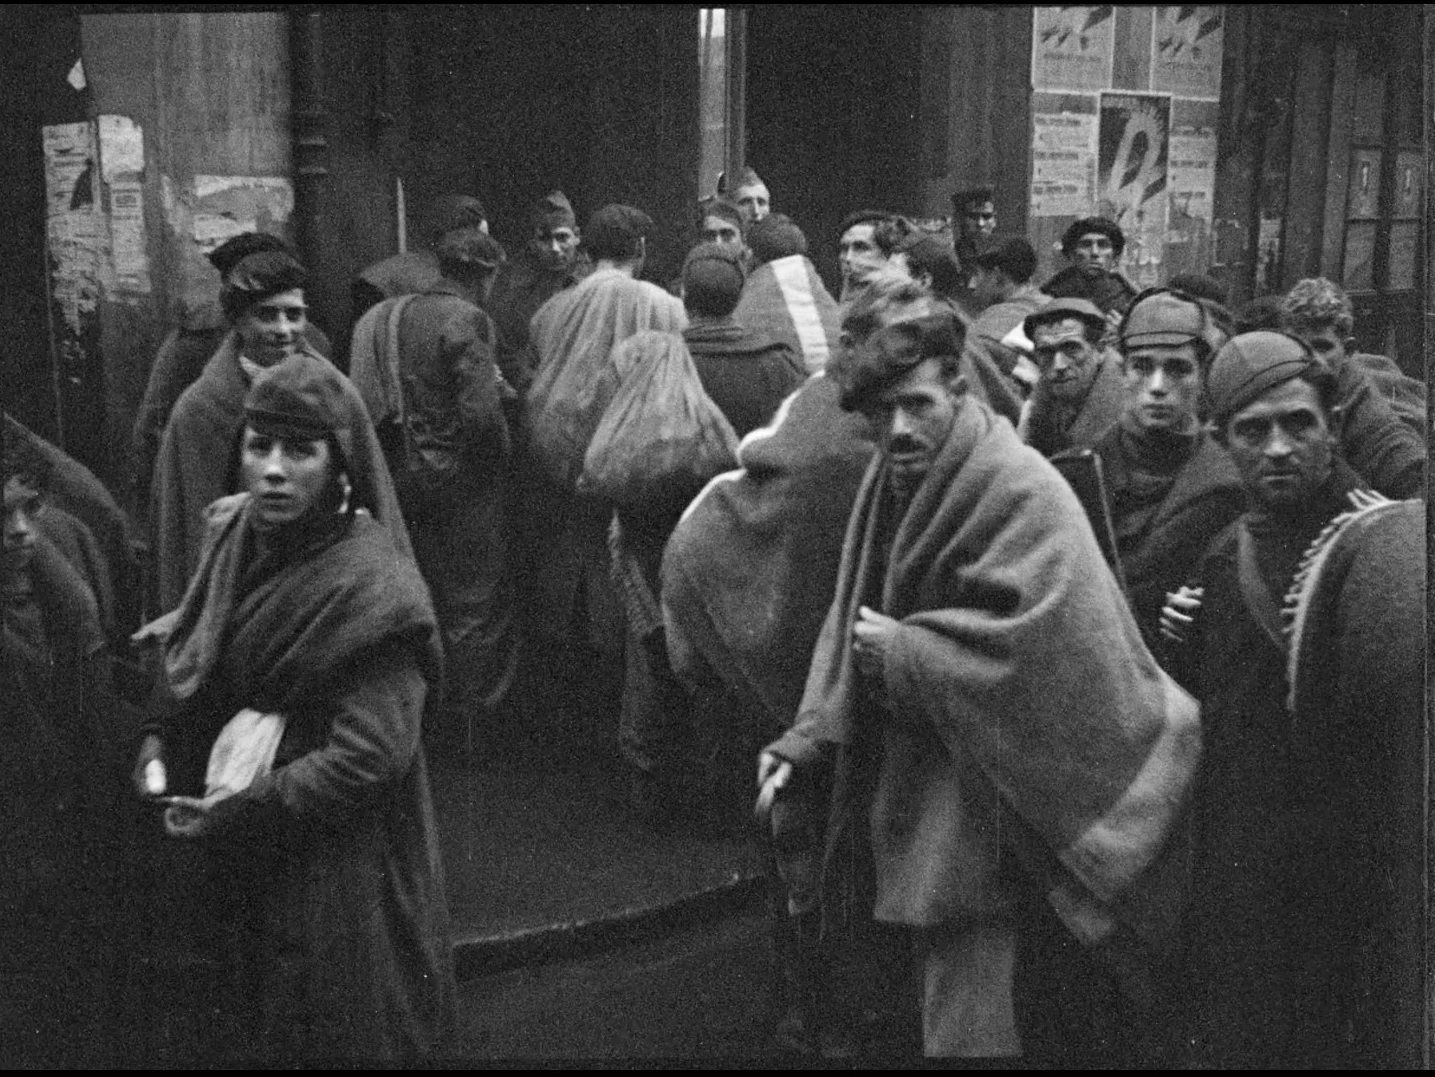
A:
121,147
1132,178
127,236
1073,48
77,238
1186,46
1192,172
1063,164
69,167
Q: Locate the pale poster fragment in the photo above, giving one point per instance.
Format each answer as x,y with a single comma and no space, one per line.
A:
1063,169
1072,48
1186,47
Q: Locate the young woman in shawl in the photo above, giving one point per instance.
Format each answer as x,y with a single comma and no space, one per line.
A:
305,637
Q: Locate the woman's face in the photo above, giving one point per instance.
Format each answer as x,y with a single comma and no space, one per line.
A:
286,476
269,331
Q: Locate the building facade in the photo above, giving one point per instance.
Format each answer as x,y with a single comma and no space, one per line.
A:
1259,144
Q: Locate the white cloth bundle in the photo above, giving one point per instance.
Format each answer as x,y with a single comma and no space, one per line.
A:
243,751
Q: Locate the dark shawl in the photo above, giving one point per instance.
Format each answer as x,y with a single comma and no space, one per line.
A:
1026,715
332,858
1202,498
1357,670
74,488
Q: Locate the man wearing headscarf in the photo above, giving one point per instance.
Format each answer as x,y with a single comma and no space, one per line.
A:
424,365
184,352
1003,785
549,262
784,297
1172,488
412,271
1306,648
264,302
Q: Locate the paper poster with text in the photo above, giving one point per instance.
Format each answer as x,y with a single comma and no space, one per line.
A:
1186,46
1073,48
1132,178
1063,164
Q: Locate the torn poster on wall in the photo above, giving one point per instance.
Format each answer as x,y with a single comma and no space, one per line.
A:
1132,183
1073,48
211,210
122,167
76,232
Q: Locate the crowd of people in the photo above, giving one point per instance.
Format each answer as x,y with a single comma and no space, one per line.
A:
1074,634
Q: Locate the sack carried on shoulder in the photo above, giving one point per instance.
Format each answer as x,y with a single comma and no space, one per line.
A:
661,438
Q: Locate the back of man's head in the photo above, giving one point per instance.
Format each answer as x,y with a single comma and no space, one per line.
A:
1012,254
1103,226
1201,286
775,236
617,233
712,280
233,251
1108,291
1262,312
719,206
893,351
931,256
1315,304
889,230
971,196
887,300
468,254
450,212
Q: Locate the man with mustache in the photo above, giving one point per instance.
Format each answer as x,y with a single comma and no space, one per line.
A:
985,756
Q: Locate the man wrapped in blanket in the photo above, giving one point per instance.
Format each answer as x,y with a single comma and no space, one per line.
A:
1008,764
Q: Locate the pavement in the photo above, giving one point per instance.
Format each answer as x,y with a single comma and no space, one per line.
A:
545,860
